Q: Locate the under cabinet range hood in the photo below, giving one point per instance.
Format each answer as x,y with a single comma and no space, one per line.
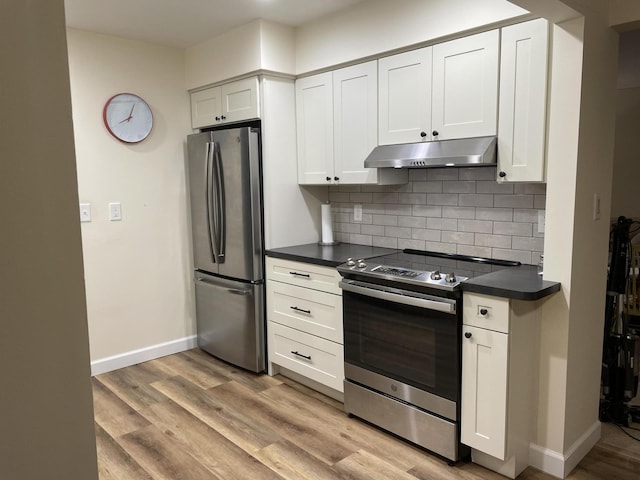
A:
462,152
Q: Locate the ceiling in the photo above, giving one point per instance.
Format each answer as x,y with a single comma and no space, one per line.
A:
183,23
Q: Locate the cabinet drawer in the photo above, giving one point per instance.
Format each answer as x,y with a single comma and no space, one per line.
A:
304,275
485,311
312,311
308,355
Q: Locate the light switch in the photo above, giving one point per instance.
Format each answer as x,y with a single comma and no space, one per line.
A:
541,215
115,211
596,206
357,213
85,212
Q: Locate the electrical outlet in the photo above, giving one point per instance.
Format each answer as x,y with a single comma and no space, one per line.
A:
115,211
357,213
85,212
541,215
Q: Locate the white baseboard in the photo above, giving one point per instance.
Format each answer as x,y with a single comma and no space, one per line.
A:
558,464
134,357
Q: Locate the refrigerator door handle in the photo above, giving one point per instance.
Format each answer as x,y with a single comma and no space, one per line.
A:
211,214
220,203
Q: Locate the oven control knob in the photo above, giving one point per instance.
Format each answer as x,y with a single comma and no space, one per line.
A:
435,275
350,262
450,278
361,264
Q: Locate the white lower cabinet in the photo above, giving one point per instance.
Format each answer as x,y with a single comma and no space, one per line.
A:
304,324
500,342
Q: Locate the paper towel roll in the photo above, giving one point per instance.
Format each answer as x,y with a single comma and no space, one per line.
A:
327,227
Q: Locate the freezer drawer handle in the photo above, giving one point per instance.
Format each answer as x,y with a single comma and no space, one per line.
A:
308,357
298,309
238,292
305,275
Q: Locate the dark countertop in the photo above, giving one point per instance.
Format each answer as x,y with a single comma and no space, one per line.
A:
519,283
329,256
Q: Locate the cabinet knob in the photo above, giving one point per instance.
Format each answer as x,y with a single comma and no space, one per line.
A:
502,174
336,178
434,133
223,117
423,134
467,334
217,119
328,179
483,311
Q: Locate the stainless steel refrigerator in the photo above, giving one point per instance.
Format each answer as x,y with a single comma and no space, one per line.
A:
224,172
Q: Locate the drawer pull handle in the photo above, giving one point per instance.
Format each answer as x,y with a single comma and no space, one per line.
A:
467,335
306,275
308,357
298,309
483,312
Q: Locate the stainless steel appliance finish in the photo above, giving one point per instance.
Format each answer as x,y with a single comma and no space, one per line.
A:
478,151
224,173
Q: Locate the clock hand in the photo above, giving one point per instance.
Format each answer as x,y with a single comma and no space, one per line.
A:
128,119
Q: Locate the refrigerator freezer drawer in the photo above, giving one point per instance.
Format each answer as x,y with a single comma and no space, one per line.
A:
230,320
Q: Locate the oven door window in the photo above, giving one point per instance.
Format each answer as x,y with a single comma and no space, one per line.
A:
413,345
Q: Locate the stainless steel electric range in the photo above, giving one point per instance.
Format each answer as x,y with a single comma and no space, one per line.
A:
402,318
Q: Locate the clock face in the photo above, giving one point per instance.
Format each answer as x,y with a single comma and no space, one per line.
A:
128,117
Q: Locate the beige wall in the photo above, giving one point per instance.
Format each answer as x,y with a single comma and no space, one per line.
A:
46,411
377,26
137,270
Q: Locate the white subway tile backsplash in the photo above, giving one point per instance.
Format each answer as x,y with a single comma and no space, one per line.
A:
427,211
385,220
412,198
450,210
427,187
488,240
398,232
513,228
458,237
425,234
450,199
514,201
497,214
476,200
442,174
415,222
459,187
442,224
476,226
459,212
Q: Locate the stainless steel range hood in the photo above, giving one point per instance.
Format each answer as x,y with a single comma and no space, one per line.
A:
463,152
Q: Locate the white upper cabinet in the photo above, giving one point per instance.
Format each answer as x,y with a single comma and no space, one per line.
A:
465,87
404,96
355,116
314,121
337,127
231,102
523,93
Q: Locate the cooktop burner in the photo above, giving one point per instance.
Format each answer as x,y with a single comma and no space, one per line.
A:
424,269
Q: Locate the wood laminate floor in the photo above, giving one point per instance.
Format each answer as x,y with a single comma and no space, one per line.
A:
191,417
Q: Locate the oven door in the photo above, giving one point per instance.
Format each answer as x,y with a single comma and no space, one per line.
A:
409,337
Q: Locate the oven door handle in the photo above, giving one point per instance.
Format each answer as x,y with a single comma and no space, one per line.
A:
441,306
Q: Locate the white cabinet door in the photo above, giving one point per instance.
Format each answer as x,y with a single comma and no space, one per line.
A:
206,107
484,390
240,100
355,117
404,97
314,121
523,93
465,86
